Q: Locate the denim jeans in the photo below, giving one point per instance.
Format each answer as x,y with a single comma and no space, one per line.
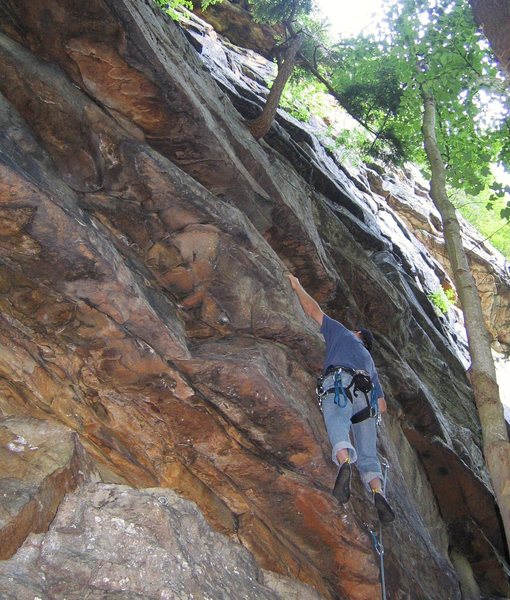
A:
364,434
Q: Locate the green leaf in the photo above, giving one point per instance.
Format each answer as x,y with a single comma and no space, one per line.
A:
505,213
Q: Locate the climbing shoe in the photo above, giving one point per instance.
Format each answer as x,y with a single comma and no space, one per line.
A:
384,510
342,489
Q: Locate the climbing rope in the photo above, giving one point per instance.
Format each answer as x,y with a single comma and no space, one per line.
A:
377,540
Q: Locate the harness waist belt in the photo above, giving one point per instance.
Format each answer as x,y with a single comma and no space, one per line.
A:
331,369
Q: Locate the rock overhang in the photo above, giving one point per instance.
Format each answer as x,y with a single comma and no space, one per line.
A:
194,225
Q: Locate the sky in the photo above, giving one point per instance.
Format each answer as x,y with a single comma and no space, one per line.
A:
349,17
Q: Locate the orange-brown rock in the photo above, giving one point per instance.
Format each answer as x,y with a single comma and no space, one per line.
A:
235,20
144,303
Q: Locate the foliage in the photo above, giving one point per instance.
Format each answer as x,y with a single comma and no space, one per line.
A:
294,101
279,11
171,6
349,145
304,96
378,79
432,44
489,223
452,61
370,84
442,299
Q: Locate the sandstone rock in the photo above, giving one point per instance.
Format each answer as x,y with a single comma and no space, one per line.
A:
240,27
40,462
489,267
144,303
405,192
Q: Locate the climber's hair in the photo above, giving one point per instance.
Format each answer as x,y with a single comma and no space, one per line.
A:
367,337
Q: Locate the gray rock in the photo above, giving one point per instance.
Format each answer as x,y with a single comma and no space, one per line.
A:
110,541
144,239
40,462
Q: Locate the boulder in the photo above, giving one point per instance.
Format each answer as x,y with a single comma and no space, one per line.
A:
112,541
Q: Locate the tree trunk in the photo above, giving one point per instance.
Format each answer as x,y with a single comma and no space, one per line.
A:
496,446
262,124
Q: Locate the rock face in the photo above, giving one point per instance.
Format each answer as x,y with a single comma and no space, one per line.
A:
493,16
490,269
41,462
111,540
143,243
244,75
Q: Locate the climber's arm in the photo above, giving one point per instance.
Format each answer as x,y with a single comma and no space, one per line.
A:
309,305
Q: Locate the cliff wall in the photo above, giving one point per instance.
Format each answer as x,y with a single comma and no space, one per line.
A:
143,243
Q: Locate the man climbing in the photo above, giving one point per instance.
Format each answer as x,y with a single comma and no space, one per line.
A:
346,404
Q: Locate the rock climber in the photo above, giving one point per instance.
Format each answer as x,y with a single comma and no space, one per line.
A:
348,370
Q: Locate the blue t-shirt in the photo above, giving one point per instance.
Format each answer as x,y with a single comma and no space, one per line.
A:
345,349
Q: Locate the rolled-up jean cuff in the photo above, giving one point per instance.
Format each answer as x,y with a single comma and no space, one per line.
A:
341,446
367,477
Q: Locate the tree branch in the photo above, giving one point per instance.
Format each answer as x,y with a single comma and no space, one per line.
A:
331,90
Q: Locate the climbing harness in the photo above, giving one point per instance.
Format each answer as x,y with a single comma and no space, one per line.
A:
377,540
360,382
